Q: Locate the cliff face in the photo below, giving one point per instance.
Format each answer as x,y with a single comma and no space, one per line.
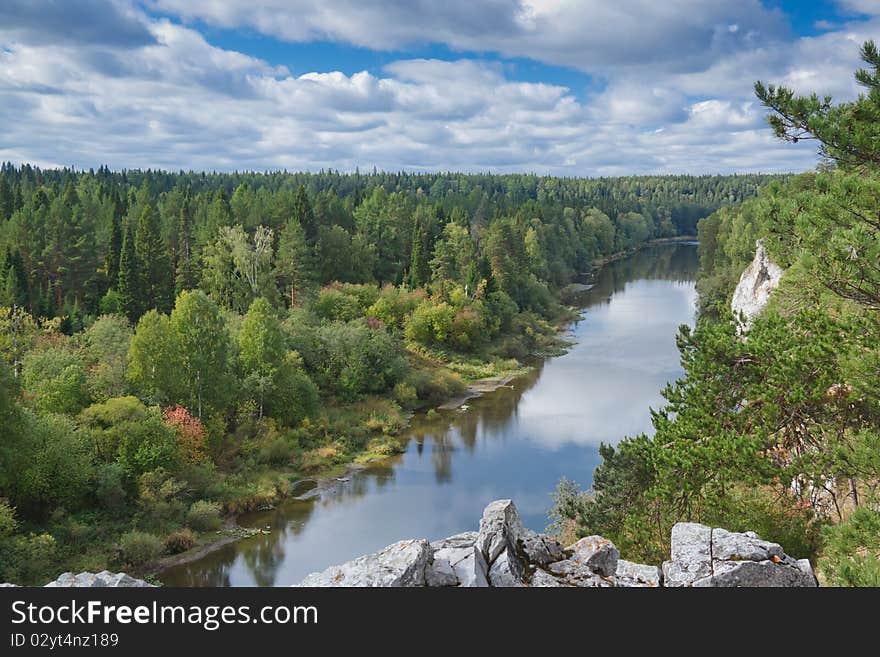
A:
752,292
505,554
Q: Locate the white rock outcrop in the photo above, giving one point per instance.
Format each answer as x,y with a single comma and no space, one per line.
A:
755,285
103,579
707,557
505,554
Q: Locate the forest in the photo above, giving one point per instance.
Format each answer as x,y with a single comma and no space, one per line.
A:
775,431
180,347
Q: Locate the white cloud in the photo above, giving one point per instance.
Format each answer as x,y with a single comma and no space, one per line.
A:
168,98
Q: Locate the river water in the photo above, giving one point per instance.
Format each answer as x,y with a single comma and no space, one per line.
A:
516,442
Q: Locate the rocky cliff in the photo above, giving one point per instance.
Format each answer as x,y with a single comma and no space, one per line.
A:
756,283
505,554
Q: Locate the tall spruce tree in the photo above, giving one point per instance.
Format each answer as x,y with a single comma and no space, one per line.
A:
153,262
114,248
129,282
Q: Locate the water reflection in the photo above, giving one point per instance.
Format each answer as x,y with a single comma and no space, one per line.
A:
516,442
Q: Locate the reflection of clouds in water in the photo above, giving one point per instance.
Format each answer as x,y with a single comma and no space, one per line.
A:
603,389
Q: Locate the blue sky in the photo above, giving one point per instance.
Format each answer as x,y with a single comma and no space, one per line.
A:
568,87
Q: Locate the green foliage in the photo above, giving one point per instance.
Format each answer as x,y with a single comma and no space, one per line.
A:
179,541
204,516
55,380
852,550
203,347
352,359
138,548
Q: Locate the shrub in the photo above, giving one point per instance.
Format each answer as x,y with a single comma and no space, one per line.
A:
335,305
204,516
852,550
159,495
355,359
430,324
190,432
180,541
56,380
138,548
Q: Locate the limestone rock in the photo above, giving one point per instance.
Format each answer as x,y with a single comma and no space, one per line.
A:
752,292
500,527
543,579
506,571
705,557
635,575
598,553
571,572
102,579
401,564
458,555
541,550
732,546
691,554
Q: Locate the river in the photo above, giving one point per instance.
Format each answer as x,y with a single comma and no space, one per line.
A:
516,442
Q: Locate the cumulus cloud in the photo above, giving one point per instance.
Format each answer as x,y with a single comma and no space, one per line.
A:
588,35
107,22
169,98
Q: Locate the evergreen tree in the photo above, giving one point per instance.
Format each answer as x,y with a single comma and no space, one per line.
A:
294,262
185,270
7,200
114,249
130,283
153,262
302,211
13,278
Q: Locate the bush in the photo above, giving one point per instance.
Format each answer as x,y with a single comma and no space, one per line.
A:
204,516
430,324
138,548
180,541
334,305
56,380
852,550
355,359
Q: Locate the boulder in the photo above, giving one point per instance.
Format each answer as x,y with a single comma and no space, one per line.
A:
457,556
541,550
102,579
500,527
507,571
636,575
756,283
706,557
571,572
543,579
691,554
598,553
402,564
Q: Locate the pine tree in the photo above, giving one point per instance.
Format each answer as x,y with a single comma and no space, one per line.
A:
184,270
114,249
294,262
6,199
129,283
14,290
302,211
153,262
419,269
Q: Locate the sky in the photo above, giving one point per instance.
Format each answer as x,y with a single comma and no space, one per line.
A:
561,87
